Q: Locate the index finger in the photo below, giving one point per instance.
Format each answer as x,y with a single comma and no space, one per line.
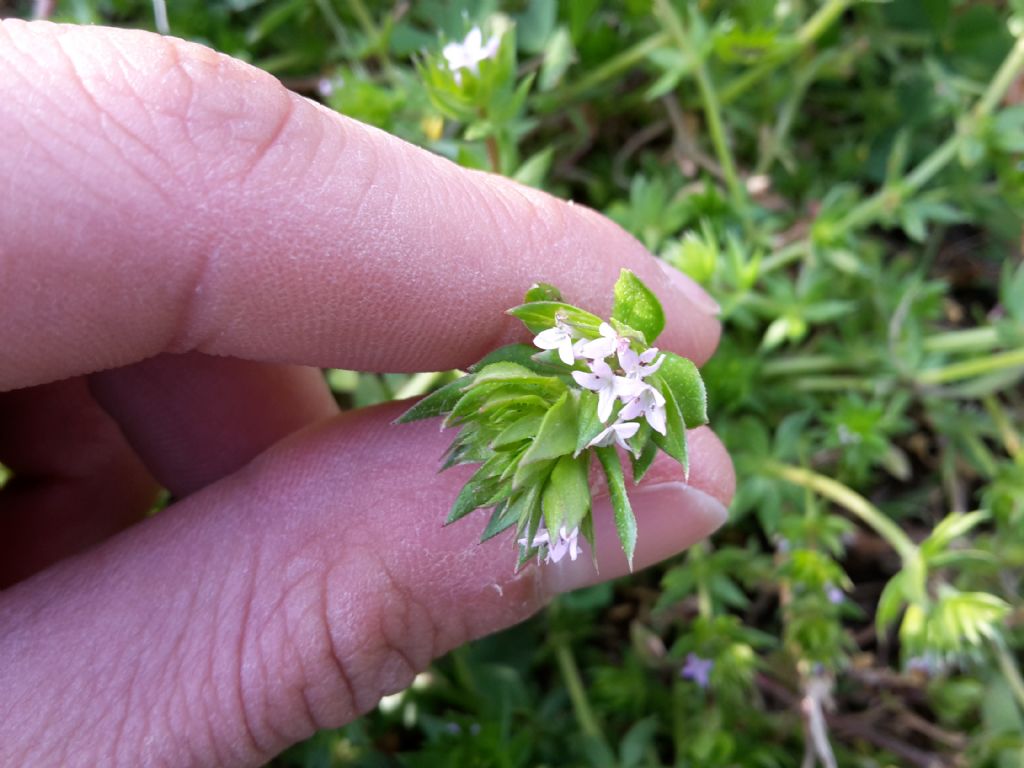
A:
159,197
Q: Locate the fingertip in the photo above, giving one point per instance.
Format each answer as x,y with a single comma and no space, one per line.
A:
670,518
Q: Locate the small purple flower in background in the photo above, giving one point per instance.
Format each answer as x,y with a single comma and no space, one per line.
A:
927,664
453,728
470,52
697,669
325,87
835,595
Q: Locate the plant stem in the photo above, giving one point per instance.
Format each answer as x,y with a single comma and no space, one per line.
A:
1011,672
811,30
1007,433
795,365
709,100
788,254
609,69
968,340
892,195
974,367
577,693
850,500
834,383
365,20
337,28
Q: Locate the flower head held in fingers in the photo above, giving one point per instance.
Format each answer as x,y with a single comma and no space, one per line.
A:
536,417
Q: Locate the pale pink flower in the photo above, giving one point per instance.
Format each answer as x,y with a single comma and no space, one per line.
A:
618,433
560,338
650,403
566,543
608,344
607,385
639,366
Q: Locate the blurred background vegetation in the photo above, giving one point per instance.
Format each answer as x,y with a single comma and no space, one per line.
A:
847,180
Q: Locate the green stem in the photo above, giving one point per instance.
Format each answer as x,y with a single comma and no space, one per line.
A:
892,195
812,29
365,21
1011,672
577,693
709,100
606,71
968,340
1007,433
850,500
795,365
698,554
337,28
974,367
834,383
786,255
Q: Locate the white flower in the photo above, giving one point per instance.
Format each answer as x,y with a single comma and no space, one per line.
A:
560,338
640,366
470,52
609,343
649,402
618,433
607,385
567,543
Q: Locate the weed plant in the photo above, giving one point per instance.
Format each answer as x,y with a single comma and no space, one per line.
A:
846,179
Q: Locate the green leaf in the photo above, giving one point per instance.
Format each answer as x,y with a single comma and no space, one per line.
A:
637,306
625,521
589,424
557,434
511,513
547,389
503,371
890,604
566,496
684,380
952,527
542,292
522,354
474,494
642,463
674,441
541,315
533,473
522,429
514,402
438,402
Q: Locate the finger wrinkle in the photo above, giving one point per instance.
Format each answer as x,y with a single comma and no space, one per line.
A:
97,88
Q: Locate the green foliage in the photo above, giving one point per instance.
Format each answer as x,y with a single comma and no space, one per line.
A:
534,427
845,179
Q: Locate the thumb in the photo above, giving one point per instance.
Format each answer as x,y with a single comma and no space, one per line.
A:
282,599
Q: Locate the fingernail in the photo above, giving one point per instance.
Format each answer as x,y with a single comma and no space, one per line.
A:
690,289
669,518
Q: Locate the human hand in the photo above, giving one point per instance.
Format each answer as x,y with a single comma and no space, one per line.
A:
179,236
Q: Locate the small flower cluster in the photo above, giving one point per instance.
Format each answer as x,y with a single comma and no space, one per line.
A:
565,543
624,384
537,422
